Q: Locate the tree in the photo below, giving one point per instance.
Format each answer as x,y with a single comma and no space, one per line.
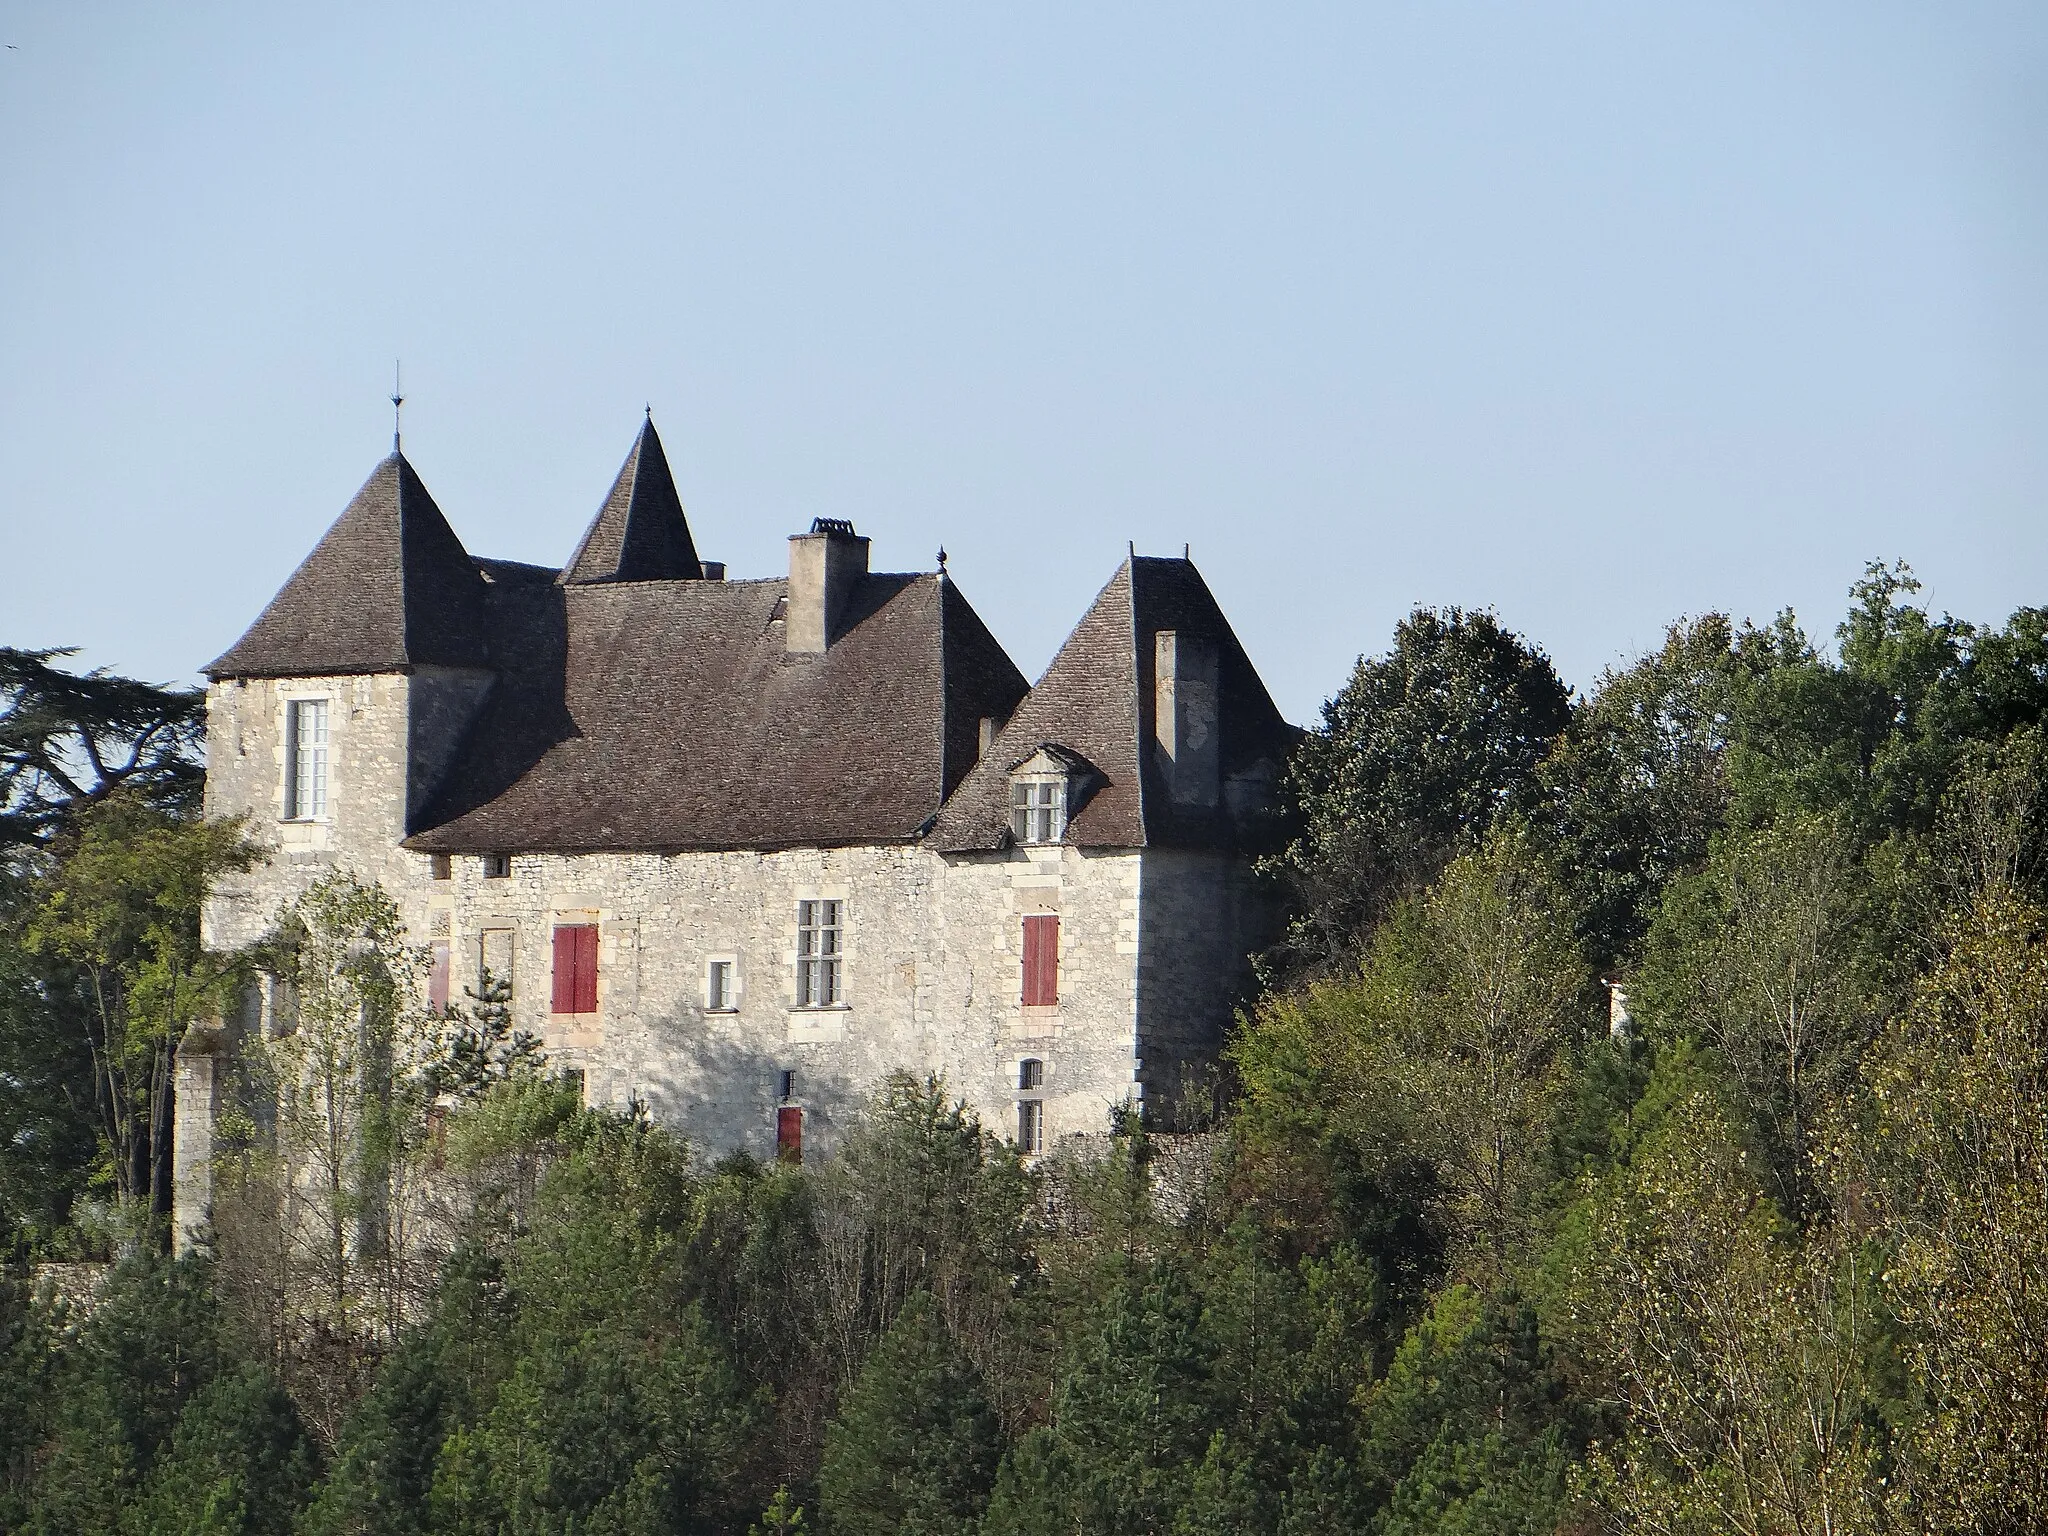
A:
120,915
239,1463
1737,1352
1955,1154
1636,785
326,1241
1415,759
915,1445
1454,1045
68,742
919,1198
1132,1414
1766,956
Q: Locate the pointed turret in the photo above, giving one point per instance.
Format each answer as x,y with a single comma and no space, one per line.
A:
639,533
390,587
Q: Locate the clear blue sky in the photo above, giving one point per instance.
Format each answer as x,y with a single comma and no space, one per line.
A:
1596,314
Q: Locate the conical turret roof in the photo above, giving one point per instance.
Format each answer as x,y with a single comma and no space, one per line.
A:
640,533
389,587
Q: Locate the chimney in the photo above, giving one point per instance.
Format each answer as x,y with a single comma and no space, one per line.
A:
824,567
1184,717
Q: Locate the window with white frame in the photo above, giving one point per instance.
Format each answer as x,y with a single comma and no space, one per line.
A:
305,759
1038,809
719,994
819,935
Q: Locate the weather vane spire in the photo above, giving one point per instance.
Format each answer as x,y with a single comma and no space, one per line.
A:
397,406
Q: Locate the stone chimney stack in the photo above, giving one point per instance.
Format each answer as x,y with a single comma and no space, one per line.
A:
825,565
1184,717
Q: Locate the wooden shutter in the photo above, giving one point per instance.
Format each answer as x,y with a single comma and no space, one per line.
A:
437,979
789,1134
586,969
1041,961
576,968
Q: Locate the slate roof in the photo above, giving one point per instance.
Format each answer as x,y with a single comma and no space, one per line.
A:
388,587
666,715
640,533
1096,700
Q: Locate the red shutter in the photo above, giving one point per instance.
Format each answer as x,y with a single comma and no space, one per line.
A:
586,969
789,1134
437,979
1041,961
576,968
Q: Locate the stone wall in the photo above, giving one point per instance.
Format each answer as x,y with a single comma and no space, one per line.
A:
932,963
931,979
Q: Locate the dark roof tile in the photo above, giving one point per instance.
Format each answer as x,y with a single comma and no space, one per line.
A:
640,533
666,715
1096,700
388,587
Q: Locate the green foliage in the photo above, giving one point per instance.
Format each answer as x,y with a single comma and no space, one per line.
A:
239,1463
117,917
1456,1261
1767,956
1415,760
915,1445
1955,1148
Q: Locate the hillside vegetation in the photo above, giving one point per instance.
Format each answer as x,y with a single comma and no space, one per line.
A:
1643,1126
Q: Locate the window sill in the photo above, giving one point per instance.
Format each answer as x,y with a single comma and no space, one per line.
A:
721,1013
818,1008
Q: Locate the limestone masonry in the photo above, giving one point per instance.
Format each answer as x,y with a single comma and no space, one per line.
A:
743,847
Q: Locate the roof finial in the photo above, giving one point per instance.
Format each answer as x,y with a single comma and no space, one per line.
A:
650,410
942,559
397,406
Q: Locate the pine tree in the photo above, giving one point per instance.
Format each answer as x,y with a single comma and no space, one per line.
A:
914,1448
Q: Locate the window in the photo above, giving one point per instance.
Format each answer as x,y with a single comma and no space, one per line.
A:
437,979
718,992
576,968
443,866
305,756
789,1134
494,965
818,953
1031,1111
1038,810
573,1078
1041,961
497,866
785,1084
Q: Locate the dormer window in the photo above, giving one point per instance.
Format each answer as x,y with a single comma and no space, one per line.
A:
1046,788
1038,809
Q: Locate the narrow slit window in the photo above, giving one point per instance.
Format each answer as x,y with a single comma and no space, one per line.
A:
819,932
1030,1126
305,749
718,992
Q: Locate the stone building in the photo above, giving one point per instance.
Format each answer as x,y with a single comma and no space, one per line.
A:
742,847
